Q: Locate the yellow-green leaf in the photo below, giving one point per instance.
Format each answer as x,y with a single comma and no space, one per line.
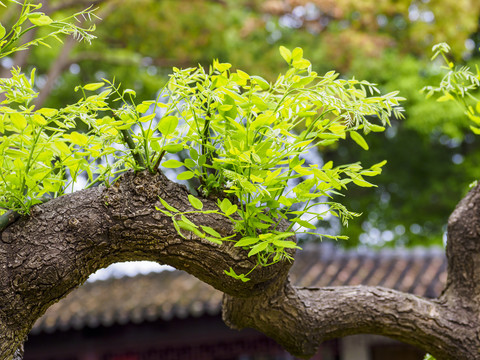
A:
40,19
286,54
18,120
93,86
210,231
446,97
475,130
304,223
167,125
166,205
39,120
62,147
359,139
48,112
186,175
301,64
246,241
376,128
231,210
172,164
78,139
146,118
379,165
257,248
264,85
196,203
362,183
243,75
297,54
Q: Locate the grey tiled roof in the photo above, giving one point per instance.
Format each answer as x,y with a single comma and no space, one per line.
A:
176,294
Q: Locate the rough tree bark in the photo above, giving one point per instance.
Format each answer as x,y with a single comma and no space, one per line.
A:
47,254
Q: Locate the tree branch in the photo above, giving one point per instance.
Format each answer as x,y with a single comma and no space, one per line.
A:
47,254
300,319
463,252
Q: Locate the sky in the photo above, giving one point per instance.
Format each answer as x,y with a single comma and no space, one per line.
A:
130,268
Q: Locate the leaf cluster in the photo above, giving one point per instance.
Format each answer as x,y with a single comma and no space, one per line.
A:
248,139
30,18
459,85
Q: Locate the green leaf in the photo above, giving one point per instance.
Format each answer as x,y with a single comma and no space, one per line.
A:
129,91
93,86
62,147
246,241
147,118
243,74
175,224
48,112
283,235
166,206
362,183
304,223
186,226
2,31
301,64
167,125
187,221
193,154
285,244
376,128
168,213
189,163
258,248
144,106
328,165
196,203
359,139
221,66
297,54
231,210
235,276
39,19
475,130
172,164
264,85
39,120
285,53
224,205
173,148
18,120
379,165
214,240
186,175
211,231
78,139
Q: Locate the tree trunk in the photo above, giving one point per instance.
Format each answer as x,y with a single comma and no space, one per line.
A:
52,251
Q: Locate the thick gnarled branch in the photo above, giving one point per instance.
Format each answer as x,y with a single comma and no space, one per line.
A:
52,251
463,252
301,319
49,253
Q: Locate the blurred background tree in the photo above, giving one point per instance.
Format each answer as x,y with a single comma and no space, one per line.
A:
432,157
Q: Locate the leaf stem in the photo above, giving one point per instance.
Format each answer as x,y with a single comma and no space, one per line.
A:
131,145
